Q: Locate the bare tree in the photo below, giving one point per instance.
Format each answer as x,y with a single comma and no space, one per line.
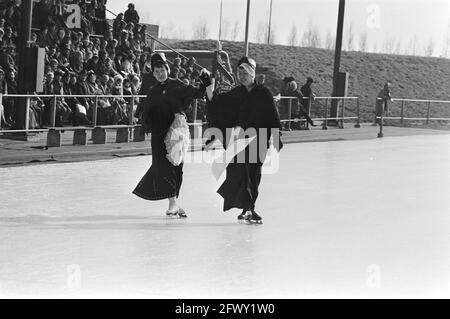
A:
293,36
350,35
398,47
412,48
388,45
429,48
260,32
311,36
167,30
329,41
235,30
446,43
273,35
363,42
180,34
375,47
225,29
200,30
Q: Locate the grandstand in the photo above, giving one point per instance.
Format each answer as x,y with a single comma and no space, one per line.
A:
80,53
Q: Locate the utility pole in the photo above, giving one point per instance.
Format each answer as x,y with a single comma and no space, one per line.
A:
270,23
246,27
337,57
220,20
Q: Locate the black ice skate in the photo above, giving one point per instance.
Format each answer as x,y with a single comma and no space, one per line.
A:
172,214
181,213
244,216
254,218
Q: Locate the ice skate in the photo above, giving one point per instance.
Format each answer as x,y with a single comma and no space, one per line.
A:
254,218
181,213
243,217
172,213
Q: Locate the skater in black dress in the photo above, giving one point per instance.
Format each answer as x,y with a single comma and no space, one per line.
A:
166,100
248,106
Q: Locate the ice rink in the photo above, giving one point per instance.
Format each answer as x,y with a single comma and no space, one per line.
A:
363,219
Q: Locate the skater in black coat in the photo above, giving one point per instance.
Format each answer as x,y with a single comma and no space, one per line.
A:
165,102
249,106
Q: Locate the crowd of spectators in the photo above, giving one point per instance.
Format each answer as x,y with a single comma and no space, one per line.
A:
95,59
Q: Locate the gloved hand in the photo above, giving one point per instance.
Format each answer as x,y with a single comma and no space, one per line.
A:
205,78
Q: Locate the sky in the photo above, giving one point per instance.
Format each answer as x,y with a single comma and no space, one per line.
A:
398,25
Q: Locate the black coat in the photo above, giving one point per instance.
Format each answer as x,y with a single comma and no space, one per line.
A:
238,107
163,180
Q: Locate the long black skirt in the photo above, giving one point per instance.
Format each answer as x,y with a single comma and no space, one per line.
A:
162,180
240,188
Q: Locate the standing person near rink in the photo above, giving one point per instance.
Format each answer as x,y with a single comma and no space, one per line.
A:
382,101
249,106
163,116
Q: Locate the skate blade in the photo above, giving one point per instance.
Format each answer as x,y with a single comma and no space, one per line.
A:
250,222
172,216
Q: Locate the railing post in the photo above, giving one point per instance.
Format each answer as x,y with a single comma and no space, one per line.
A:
428,112
53,112
325,123
380,133
1,103
289,111
342,113
401,111
130,111
309,112
195,111
27,113
94,115
357,125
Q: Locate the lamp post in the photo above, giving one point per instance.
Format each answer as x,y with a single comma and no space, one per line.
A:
270,23
337,57
246,27
220,20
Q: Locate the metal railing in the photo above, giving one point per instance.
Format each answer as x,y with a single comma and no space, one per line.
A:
130,107
403,102
326,118
94,98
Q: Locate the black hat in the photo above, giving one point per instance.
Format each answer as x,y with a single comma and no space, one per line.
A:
159,59
288,79
309,79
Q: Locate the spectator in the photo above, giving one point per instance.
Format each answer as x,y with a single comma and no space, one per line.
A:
297,108
260,79
308,94
9,102
9,39
131,14
382,101
3,89
7,62
42,40
93,64
117,25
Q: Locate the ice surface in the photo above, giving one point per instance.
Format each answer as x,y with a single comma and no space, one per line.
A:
366,218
